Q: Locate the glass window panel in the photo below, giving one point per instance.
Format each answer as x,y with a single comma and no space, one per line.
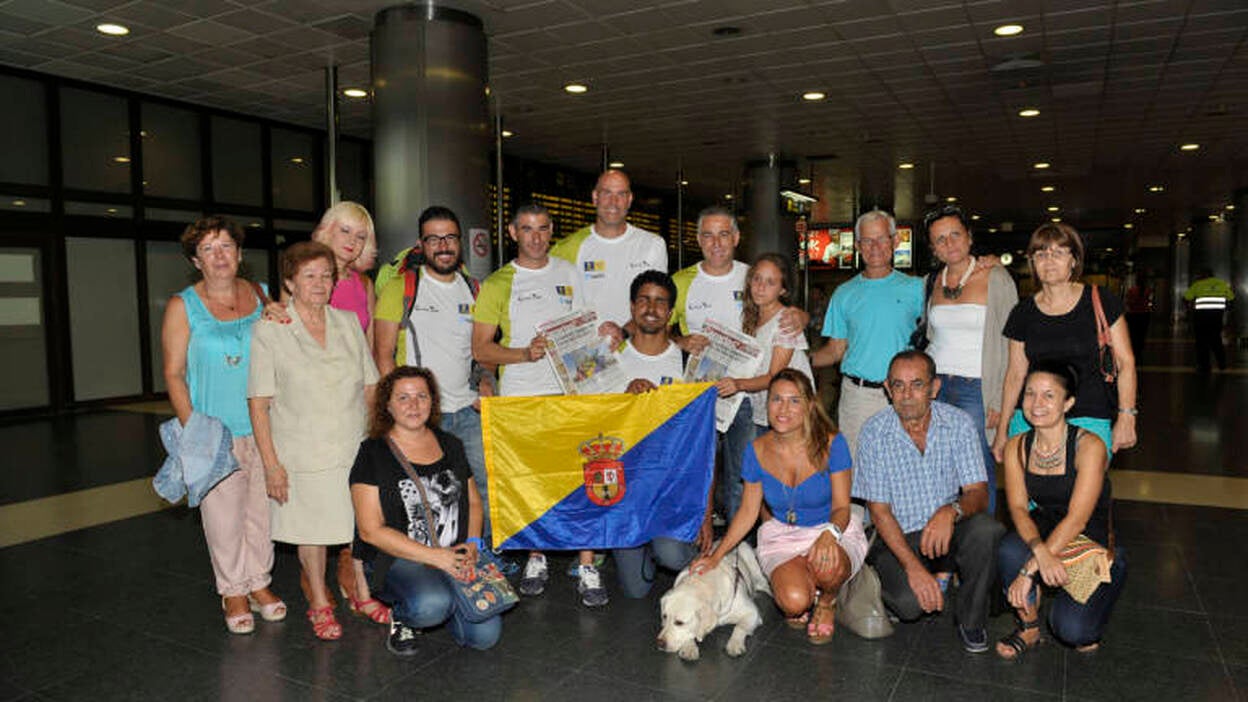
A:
296,167
157,214
24,374
297,226
237,162
95,141
168,271
19,203
24,119
352,172
99,209
171,163
103,317
256,267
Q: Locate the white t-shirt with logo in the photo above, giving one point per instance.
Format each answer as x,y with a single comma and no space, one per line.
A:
663,369
717,297
442,317
607,268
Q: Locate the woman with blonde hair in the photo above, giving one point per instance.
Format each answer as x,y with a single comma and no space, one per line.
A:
347,228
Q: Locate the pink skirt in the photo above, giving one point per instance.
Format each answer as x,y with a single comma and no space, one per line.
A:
779,542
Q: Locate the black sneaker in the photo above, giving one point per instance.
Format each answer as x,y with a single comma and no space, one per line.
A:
974,639
403,639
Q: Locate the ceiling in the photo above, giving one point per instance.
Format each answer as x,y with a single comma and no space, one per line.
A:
1119,85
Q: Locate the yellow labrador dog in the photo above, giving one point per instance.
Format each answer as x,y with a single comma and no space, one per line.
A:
697,604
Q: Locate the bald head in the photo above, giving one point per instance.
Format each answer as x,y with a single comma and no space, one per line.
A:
613,196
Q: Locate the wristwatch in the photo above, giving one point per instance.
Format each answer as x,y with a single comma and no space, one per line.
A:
957,511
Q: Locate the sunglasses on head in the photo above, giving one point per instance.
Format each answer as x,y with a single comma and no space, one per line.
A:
941,213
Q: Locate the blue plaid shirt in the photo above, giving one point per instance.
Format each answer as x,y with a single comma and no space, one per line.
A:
890,469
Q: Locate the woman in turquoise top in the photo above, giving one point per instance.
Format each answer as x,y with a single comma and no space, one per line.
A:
206,339
797,477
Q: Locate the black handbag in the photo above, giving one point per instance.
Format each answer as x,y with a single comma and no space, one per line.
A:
918,339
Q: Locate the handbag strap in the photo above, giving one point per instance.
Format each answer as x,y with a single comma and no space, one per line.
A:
1102,325
406,465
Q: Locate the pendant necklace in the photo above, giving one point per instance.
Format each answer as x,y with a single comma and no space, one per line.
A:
790,515
955,293
233,360
1047,460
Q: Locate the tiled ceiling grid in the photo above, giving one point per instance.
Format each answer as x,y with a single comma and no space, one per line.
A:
1119,85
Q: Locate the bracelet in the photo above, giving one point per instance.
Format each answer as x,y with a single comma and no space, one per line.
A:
831,529
1023,572
1034,542
476,541
1133,411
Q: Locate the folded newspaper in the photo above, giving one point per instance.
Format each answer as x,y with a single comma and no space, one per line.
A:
582,360
731,354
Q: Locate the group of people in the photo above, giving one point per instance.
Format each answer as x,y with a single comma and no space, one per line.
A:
354,411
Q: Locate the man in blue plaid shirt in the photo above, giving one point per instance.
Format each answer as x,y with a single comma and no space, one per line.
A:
921,471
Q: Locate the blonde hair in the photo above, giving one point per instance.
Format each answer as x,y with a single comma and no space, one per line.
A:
345,211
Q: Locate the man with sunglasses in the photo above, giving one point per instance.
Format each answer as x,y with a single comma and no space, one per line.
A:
424,318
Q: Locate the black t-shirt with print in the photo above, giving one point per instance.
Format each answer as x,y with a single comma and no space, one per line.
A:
445,482
1068,338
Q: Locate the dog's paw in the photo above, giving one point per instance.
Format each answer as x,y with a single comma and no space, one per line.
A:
688,652
735,647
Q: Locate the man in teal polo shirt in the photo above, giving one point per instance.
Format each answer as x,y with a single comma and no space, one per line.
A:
869,320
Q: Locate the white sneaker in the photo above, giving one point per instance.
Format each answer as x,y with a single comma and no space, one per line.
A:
533,582
593,594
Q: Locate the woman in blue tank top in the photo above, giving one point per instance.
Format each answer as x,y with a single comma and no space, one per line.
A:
206,339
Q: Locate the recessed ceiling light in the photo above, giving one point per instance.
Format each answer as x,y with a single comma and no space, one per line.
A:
974,218
355,93
1047,189
112,29
1008,30
576,88
1140,210
1230,207
508,133
951,199
1156,188
1189,147
813,95
803,181
728,196
1053,208
905,166
1213,218
992,230
254,225
19,203
1056,220
1040,165
121,159
1029,112
111,210
297,160
615,164
684,182
1128,225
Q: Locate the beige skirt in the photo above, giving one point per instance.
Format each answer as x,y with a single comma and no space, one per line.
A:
318,511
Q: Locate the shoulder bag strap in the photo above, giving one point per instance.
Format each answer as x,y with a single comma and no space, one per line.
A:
255,287
406,465
1102,326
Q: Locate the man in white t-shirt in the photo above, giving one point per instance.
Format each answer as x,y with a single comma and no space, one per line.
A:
611,252
715,288
533,288
424,318
650,359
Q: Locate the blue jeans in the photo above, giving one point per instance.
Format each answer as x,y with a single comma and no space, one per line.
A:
732,445
466,426
636,566
421,597
1072,623
967,395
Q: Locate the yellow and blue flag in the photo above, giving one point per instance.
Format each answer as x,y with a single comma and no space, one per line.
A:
599,471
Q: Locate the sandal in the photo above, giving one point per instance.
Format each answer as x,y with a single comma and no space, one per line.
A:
238,623
324,624
1014,640
798,622
822,622
271,612
372,608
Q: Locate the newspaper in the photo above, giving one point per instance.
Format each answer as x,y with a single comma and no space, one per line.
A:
582,360
731,354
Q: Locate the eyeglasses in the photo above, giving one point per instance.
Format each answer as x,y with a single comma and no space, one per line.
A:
1055,254
433,240
941,213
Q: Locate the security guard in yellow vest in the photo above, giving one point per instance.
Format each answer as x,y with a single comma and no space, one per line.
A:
1209,297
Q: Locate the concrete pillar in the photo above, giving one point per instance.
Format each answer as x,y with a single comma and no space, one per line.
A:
431,127
1239,269
1180,277
767,230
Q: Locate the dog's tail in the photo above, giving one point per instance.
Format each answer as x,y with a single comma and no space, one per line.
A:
750,569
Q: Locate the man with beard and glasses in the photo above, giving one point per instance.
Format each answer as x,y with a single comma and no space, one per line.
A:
920,469
424,319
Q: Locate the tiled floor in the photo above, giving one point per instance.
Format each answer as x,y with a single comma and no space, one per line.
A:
126,610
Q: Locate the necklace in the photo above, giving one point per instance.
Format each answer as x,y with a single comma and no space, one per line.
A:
1042,460
955,293
237,326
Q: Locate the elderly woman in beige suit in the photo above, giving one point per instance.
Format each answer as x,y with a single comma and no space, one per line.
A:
309,391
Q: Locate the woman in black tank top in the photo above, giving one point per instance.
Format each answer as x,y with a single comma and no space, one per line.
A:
1057,489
